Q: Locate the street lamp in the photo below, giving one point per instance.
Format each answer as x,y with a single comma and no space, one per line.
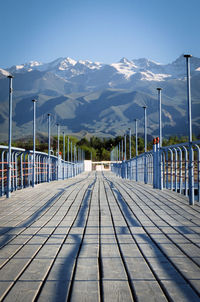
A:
136,139
63,145
160,115
130,143
68,148
136,149
124,146
145,128
10,77
145,144
191,154
189,97
34,127
58,140
49,144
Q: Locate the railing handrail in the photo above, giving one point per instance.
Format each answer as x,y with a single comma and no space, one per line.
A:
166,167
12,148
26,171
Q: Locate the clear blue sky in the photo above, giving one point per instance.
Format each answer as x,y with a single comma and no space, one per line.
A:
98,30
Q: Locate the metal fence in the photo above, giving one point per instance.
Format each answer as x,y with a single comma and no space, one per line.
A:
25,173
176,168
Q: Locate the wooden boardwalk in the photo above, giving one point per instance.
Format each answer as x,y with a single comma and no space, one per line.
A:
99,238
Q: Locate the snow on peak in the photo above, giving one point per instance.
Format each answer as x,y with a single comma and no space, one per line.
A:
34,63
89,64
125,61
4,72
126,67
150,76
145,63
70,61
66,63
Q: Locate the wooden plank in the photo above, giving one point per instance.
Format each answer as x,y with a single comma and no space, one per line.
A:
148,241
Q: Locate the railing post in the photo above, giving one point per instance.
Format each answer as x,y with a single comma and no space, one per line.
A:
191,153
160,175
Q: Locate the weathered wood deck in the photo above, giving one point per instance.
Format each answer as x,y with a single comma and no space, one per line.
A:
99,238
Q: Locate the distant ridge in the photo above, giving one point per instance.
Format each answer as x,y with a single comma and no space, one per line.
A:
100,99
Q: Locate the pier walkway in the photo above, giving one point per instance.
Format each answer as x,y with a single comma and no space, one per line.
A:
96,237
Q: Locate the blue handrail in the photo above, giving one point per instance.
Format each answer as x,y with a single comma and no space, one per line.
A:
22,168
175,167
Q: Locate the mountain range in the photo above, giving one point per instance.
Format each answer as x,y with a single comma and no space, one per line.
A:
92,98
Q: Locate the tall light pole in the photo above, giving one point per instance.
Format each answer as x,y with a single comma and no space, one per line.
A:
145,144
136,139
189,102
63,145
122,150
49,144
130,143
68,148
58,140
71,152
160,115
9,138
191,154
58,149
124,146
34,127
145,128
136,149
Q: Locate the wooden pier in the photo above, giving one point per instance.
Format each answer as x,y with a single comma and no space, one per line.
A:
99,238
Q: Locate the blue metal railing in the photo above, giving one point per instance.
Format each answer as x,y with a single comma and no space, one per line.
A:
24,172
175,167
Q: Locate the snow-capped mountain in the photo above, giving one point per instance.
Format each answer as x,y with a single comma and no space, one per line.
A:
142,69
100,98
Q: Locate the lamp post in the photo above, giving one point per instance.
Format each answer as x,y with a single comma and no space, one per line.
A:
63,145
122,150
68,148
124,146
58,140
71,151
49,144
160,115
191,154
130,143
145,128
136,149
189,102
10,77
58,149
34,127
145,144
63,155
136,139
